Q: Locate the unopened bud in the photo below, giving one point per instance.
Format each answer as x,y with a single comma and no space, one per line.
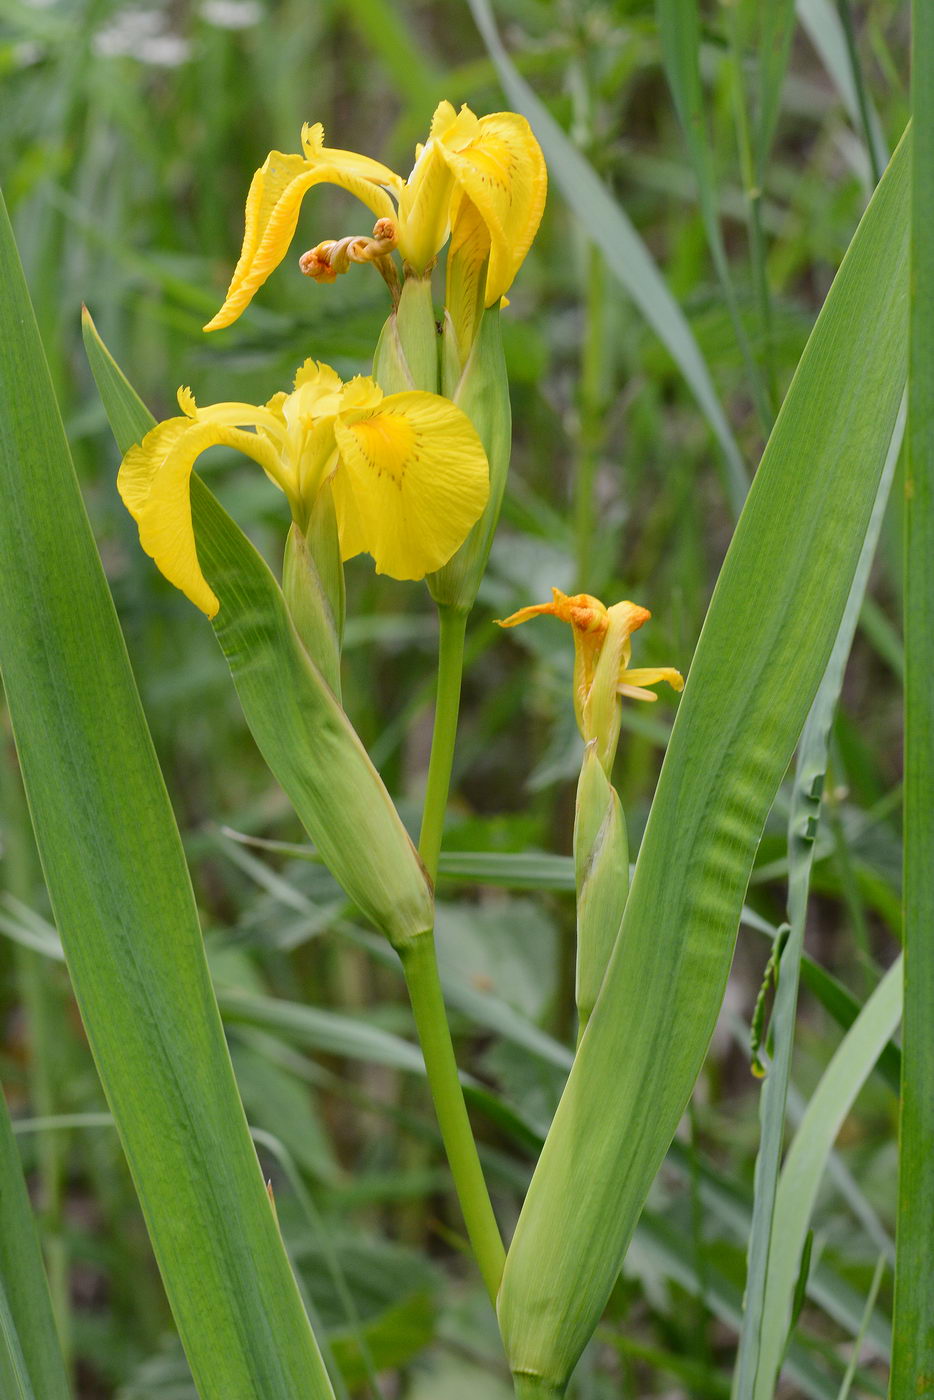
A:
601,866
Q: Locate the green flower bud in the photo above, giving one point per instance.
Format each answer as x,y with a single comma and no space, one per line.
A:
601,865
313,584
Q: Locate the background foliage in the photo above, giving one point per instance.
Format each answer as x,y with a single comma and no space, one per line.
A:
129,136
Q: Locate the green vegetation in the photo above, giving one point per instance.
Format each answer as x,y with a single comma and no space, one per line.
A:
719,301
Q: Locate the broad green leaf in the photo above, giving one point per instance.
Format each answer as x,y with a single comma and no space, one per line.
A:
627,257
765,644
31,1366
913,1332
124,907
804,814
807,1159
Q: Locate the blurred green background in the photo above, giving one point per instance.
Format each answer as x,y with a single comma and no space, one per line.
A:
128,135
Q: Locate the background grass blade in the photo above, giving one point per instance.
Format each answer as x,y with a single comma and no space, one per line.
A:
124,907
810,773
807,1159
826,32
764,647
913,1340
32,1358
626,255
679,31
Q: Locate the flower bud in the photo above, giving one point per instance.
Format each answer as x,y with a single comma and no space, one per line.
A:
407,354
601,865
313,584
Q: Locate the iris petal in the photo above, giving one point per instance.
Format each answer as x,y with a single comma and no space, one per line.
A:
413,479
272,210
154,481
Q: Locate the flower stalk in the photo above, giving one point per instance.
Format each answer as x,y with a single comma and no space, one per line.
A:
420,964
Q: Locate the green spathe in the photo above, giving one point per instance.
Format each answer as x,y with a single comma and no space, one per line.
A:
298,724
601,865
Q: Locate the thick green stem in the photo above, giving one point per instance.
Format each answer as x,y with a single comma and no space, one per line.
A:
453,626
535,1388
421,974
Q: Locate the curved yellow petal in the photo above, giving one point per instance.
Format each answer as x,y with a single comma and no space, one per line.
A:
413,479
637,678
468,261
350,162
425,208
272,210
153,482
502,170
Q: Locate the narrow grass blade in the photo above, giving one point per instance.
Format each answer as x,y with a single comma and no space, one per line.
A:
14,1376
822,23
807,1160
679,30
32,1360
626,255
765,644
803,817
776,30
913,1353
124,907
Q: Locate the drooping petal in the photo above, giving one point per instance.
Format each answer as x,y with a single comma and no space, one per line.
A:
272,210
502,170
413,479
633,682
153,482
523,615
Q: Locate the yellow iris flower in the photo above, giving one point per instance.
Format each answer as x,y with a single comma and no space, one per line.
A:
602,650
485,172
408,472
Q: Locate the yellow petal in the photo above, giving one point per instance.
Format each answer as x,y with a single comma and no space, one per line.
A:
523,615
153,482
413,479
317,153
425,208
468,259
633,682
272,210
502,170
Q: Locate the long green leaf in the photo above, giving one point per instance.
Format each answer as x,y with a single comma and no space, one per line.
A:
810,773
913,1337
626,255
806,1162
765,644
124,907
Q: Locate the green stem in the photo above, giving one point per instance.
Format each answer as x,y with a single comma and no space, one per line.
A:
453,626
421,974
530,1387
